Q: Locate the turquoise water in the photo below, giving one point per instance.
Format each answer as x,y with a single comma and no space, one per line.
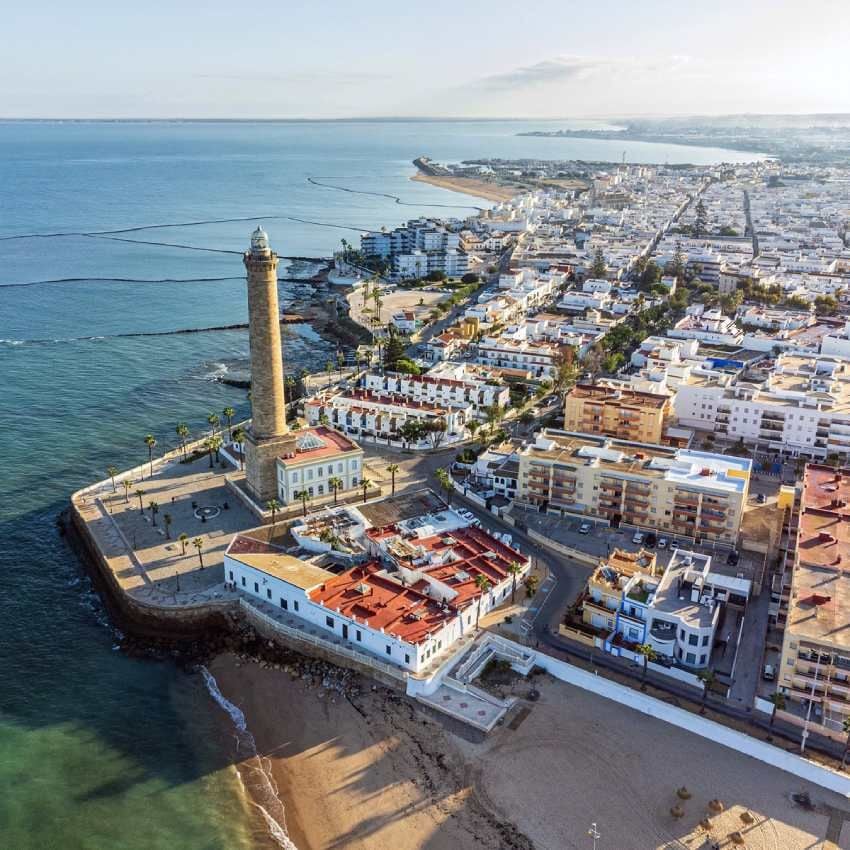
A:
98,750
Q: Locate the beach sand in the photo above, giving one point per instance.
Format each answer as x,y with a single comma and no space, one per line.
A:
378,773
372,773
470,186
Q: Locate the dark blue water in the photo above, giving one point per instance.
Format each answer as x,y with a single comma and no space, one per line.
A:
98,750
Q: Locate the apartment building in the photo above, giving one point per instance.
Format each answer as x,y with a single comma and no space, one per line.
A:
441,390
625,414
690,494
367,413
537,357
815,663
707,326
800,408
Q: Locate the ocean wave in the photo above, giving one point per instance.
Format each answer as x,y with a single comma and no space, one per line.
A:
261,788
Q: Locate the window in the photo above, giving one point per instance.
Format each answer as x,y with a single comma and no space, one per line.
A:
321,489
295,604
693,640
705,640
389,649
358,635
702,658
690,658
268,593
231,575
330,469
243,581
406,658
256,587
329,622
353,480
284,604
681,634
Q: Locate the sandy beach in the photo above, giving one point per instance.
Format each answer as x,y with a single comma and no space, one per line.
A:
470,186
366,773
375,772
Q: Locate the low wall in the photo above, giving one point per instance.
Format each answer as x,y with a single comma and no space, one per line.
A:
580,637
467,494
566,551
738,741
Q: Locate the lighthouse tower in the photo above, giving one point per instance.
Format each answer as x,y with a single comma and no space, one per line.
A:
268,437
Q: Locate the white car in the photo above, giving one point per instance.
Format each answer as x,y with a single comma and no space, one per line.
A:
638,538
662,542
585,528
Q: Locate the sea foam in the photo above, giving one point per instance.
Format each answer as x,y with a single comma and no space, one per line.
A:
257,779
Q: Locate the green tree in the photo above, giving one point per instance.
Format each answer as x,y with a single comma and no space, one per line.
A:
184,539
514,569
393,469
141,495
700,220
304,495
598,268
182,430
126,483
214,422
112,471
393,351
472,426
436,430
198,543
845,725
213,445
483,585
648,654
566,370
335,483
150,442
650,276
365,484
228,414
531,584
154,509
274,506
444,478
167,519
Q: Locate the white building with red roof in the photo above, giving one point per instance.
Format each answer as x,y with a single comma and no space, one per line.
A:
420,589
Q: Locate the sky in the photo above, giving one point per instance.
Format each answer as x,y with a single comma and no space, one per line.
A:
541,59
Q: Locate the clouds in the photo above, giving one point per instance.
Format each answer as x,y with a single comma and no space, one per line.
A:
561,69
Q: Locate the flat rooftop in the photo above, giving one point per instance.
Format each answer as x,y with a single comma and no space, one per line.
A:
271,560
702,470
635,398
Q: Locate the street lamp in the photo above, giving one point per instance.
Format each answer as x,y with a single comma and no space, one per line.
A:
593,832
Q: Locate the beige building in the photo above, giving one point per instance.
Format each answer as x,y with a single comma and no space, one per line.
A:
815,664
689,494
625,414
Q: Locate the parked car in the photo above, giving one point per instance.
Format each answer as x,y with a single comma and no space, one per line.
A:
638,537
733,557
769,673
761,498
651,540
662,542
585,528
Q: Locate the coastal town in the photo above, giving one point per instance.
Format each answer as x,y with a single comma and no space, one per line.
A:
598,435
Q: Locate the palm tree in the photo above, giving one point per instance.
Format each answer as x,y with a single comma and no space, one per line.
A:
140,494
184,539
514,569
154,509
213,445
649,654
445,479
329,368
392,469
150,442
274,506
214,422
365,484
472,426
483,585
182,431
239,437
112,471
167,519
127,484
303,495
336,484
324,420
228,413
198,543
706,677
778,700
